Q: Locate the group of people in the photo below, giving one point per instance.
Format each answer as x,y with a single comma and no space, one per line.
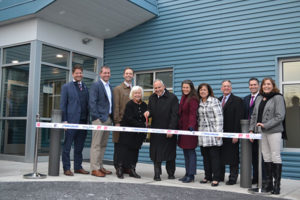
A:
198,110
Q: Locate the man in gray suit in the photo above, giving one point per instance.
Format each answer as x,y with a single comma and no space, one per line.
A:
101,107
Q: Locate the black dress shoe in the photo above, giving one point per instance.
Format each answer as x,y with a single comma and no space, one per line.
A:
157,178
230,182
133,174
181,179
204,181
171,177
188,179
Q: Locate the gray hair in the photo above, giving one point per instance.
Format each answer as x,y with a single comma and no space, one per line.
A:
134,89
227,81
158,80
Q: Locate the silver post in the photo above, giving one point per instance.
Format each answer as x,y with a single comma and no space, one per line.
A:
259,185
35,174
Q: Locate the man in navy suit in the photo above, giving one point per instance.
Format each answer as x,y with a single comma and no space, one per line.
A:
249,103
101,106
74,105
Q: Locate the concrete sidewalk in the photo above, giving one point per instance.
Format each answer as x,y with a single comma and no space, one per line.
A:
13,172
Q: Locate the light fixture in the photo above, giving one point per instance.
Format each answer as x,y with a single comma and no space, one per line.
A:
15,61
86,40
59,56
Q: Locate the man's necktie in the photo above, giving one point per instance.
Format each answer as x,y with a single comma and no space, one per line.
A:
252,101
80,86
223,101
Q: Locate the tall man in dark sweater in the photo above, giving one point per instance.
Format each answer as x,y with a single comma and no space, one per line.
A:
75,109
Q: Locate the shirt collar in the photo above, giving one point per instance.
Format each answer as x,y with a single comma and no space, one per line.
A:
255,95
77,82
127,84
104,83
162,94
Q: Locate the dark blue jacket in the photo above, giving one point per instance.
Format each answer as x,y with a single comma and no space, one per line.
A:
99,103
247,109
70,103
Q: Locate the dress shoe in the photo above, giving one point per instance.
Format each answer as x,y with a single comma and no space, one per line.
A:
68,173
231,182
157,178
81,171
171,176
214,184
181,179
98,173
104,171
188,179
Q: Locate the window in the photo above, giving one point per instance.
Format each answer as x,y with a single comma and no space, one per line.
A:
290,87
146,79
16,54
88,63
55,56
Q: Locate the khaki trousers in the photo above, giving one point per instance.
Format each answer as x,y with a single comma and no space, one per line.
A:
98,146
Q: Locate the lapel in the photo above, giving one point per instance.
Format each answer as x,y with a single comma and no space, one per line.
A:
103,88
229,101
74,90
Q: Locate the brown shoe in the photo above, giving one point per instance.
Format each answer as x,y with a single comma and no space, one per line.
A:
68,173
98,173
81,171
104,171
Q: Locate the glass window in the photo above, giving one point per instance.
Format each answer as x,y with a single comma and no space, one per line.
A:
88,63
291,71
145,80
16,54
291,91
14,135
166,77
55,56
292,100
14,89
52,79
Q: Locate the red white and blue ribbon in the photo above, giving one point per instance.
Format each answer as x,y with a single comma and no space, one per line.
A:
146,130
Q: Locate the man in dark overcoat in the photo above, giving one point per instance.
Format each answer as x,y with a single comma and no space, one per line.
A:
163,108
232,114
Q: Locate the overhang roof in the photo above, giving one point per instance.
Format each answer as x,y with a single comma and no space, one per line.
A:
100,18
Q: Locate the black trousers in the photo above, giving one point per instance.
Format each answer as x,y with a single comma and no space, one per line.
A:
125,156
170,166
234,172
212,162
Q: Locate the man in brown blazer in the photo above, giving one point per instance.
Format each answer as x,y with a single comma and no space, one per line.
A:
121,97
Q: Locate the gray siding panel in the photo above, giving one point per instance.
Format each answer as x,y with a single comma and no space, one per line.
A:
209,41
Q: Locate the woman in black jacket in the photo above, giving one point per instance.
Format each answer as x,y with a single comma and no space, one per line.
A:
129,142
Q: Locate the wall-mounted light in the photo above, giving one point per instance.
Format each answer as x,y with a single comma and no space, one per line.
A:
59,56
86,40
15,61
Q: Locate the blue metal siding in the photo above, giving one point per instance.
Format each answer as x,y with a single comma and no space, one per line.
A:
209,41
18,8
149,5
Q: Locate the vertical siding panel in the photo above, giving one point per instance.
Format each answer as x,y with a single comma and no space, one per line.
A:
209,41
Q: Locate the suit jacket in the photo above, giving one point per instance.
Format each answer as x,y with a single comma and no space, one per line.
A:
99,102
70,103
232,114
273,115
247,109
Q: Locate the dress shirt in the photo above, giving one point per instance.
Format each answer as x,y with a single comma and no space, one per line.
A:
108,92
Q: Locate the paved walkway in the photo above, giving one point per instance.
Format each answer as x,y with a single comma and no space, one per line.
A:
14,186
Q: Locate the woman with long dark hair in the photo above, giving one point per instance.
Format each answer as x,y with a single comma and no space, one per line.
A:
188,121
269,114
211,120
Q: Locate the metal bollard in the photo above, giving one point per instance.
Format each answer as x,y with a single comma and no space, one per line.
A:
35,174
246,157
54,152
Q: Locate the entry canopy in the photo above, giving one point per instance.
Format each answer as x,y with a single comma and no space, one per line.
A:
100,18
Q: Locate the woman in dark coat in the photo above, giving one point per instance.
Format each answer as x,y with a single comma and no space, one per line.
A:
188,121
129,142
163,108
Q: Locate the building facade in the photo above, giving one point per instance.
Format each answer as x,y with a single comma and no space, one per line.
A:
209,41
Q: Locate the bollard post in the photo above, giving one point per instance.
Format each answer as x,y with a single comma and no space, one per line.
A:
35,174
246,157
55,146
